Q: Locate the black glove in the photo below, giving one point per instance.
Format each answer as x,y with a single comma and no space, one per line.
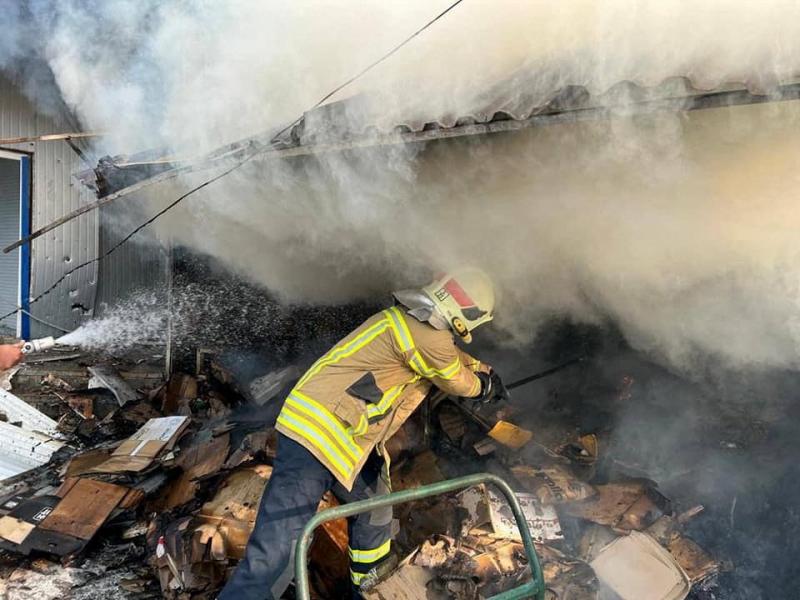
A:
492,388
501,394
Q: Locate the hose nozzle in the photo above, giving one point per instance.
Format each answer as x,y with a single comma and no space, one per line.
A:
39,345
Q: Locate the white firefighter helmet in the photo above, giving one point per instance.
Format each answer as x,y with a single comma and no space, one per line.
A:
461,300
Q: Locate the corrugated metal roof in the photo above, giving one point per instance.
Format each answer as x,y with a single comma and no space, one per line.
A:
28,446
358,122
361,116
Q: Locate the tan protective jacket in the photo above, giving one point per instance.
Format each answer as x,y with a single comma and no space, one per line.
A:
361,392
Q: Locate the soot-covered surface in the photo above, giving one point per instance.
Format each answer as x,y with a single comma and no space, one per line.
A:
726,440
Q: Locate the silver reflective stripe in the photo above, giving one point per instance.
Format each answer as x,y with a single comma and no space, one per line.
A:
422,308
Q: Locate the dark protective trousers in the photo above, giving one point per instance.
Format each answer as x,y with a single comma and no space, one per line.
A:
296,486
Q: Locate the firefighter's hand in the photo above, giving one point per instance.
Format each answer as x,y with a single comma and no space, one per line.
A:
10,355
492,389
501,394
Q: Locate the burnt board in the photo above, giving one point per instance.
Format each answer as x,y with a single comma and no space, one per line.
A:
85,508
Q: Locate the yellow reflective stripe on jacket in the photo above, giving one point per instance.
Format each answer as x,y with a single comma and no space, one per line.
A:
317,438
406,342
301,403
361,428
370,556
400,329
376,410
420,366
345,350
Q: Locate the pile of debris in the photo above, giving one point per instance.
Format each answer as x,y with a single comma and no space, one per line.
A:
138,488
595,538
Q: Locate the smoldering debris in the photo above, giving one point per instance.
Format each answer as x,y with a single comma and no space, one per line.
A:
171,480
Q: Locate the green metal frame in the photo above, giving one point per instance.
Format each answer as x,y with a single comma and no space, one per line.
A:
532,589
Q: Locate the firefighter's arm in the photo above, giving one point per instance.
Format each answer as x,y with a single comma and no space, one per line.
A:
442,364
472,363
10,355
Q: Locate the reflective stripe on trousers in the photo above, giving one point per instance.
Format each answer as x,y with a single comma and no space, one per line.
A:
369,533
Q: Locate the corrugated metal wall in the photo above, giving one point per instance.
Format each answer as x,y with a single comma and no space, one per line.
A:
9,231
54,194
138,265
93,289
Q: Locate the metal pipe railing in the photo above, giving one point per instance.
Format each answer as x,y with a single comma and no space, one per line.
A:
532,589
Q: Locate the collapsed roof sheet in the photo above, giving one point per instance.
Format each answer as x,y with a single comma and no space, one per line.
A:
19,411
23,450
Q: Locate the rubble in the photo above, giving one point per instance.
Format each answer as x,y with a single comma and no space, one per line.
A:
487,509
636,567
141,450
169,476
553,484
625,506
105,376
263,389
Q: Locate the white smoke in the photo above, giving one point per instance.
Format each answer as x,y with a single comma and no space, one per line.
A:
201,72
679,227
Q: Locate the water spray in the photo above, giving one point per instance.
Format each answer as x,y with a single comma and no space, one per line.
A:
40,345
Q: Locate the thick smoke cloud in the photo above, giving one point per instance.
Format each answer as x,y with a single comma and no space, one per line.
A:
185,72
680,228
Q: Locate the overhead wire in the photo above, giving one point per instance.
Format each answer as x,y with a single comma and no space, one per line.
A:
369,67
242,162
34,317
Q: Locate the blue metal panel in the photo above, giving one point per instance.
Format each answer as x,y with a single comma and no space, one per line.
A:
25,253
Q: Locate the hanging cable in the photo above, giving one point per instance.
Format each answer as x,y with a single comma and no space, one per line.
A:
34,317
368,68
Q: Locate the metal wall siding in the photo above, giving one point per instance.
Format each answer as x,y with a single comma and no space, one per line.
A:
137,265
9,230
53,195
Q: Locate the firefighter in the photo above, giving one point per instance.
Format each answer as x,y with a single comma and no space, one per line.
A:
335,422
10,355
